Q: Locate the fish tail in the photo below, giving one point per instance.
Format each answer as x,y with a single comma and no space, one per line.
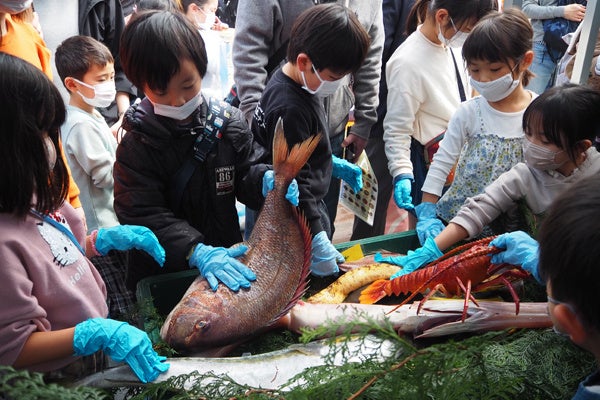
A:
287,163
375,292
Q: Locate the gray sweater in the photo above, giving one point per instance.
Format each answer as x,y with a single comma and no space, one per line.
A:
262,27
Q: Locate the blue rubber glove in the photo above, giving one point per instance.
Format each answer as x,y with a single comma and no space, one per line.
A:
219,264
292,195
127,237
350,173
325,257
413,260
402,197
428,225
122,342
521,249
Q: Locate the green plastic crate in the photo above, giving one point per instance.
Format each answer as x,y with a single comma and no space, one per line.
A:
166,290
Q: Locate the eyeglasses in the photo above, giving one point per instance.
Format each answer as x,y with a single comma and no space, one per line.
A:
554,301
570,307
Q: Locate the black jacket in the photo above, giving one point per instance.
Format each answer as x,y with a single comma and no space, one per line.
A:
147,161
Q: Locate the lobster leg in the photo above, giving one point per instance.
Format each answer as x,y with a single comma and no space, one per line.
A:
433,291
502,278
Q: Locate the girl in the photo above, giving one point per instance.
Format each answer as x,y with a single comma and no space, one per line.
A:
53,301
560,126
485,134
426,83
201,13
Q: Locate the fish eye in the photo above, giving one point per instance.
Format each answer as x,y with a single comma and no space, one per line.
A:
201,325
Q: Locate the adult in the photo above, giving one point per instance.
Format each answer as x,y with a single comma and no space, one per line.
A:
544,67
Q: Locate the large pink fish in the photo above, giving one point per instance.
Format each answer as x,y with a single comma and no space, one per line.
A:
279,250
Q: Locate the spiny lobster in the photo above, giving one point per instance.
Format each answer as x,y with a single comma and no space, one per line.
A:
468,263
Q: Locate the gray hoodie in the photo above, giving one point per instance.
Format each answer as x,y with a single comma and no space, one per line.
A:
262,27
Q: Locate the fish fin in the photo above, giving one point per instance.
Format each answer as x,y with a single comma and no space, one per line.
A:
303,283
288,163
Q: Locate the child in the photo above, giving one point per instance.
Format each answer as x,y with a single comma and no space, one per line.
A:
566,260
21,40
327,42
426,83
176,173
53,302
86,68
568,263
202,14
484,134
560,126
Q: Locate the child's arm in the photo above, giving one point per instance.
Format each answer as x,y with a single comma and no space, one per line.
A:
428,223
451,235
46,346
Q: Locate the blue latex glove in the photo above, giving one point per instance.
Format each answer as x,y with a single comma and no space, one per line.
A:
521,249
122,342
292,194
127,237
350,173
325,257
219,264
413,260
402,196
428,225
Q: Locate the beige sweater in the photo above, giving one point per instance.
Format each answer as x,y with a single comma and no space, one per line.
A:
537,188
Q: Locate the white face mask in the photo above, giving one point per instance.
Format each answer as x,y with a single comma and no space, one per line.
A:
181,112
457,40
14,7
104,93
209,21
325,88
541,158
497,89
50,152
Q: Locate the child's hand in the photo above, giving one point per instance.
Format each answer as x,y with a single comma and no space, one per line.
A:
520,249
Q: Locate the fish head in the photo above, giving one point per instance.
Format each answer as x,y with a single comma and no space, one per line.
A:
190,330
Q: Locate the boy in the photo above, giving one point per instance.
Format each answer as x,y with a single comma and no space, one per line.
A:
568,263
174,172
86,68
327,43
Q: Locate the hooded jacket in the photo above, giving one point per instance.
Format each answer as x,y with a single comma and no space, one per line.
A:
147,163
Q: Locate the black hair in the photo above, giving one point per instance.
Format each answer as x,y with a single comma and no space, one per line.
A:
461,11
500,37
565,115
164,5
30,107
153,45
569,250
332,36
76,55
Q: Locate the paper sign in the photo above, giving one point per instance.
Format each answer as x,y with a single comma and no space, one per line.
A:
363,203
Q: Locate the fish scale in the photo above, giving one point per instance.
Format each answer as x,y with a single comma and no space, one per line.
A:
279,254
